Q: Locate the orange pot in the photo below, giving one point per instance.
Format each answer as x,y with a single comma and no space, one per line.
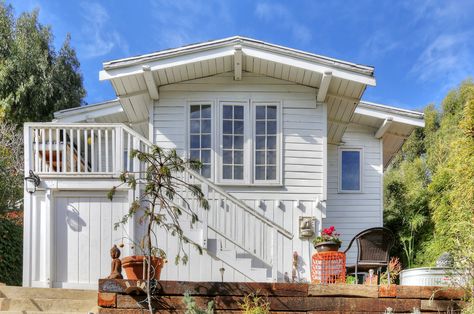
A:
133,266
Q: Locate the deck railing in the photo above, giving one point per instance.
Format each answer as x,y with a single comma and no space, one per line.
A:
99,149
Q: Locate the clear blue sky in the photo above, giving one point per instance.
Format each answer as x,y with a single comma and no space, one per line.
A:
420,49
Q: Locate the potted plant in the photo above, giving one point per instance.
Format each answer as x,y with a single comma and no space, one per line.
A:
161,187
327,241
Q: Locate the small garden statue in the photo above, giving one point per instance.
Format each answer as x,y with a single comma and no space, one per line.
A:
116,272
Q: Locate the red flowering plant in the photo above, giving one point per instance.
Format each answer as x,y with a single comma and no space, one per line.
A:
328,235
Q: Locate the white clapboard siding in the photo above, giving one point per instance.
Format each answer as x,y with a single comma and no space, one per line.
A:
351,213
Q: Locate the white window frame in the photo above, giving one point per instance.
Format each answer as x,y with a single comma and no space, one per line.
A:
279,144
213,137
247,145
361,168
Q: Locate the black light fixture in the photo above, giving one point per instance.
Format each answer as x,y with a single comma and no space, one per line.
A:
32,182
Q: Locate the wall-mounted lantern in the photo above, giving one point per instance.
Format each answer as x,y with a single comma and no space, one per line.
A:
32,182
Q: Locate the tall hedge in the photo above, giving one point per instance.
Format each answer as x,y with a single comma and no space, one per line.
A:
429,189
11,251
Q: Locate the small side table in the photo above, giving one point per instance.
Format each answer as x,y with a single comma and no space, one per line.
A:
328,267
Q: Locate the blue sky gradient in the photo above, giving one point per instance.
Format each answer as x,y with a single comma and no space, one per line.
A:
420,49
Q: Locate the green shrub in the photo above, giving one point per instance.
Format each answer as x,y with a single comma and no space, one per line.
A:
11,252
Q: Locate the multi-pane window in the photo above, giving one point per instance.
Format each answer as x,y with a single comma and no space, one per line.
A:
266,142
233,142
200,139
350,170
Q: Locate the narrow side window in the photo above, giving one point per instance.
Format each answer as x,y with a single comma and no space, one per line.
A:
350,161
200,136
266,150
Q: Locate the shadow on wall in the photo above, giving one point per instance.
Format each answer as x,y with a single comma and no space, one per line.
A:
73,219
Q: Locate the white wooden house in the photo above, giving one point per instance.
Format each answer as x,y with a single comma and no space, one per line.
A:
283,135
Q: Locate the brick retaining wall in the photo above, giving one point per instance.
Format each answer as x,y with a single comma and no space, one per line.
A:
124,296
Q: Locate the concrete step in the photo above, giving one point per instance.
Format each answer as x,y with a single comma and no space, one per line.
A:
14,292
48,305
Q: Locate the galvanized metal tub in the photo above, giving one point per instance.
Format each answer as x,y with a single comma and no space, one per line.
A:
426,276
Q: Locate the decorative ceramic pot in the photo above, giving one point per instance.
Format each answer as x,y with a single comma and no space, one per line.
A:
133,266
327,246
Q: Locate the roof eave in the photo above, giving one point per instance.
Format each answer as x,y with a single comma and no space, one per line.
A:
399,115
135,62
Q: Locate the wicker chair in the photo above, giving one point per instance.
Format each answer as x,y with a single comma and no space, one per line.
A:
373,250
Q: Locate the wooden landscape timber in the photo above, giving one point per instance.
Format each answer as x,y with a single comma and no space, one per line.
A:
125,296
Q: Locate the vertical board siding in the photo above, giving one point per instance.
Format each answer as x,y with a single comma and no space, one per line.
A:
84,233
351,213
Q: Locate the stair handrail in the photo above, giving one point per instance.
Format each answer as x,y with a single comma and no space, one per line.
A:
246,207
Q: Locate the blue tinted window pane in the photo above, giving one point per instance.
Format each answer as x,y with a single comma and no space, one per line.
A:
194,126
260,142
260,173
206,126
271,127
205,141
206,111
238,142
260,157
238,157
227,172
227,126
350,172
239,112
194,154
271,142
271,173
271,112
238,127
227,141
238,172
206,156
194,141
227,114
195,111
227,158
260,112
206,171
271,157
260,127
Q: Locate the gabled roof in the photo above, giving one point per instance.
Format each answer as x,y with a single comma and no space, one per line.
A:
340,84
133,64
392,124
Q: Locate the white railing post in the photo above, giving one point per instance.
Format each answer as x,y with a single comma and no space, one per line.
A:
118,150
28,149
274,256
135,163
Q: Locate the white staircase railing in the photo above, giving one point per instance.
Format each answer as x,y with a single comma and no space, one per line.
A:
103,149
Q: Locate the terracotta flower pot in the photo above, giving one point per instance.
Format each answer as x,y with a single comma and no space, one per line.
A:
133,266
327,246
